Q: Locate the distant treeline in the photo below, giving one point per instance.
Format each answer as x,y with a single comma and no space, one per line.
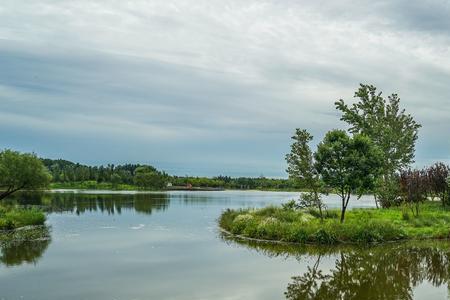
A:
228,182
136,176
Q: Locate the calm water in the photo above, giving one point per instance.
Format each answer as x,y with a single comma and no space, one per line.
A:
167,246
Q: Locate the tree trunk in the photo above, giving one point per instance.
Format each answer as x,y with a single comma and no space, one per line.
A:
343,214
9,191
345,199
319,205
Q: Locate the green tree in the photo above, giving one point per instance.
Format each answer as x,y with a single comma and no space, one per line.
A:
350,165
21,171
149,177
387,191
301,167
390,128
115,179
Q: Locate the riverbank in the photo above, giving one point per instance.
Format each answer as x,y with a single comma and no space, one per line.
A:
360,226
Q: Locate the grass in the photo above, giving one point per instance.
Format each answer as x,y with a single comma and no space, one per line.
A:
13,218
360,226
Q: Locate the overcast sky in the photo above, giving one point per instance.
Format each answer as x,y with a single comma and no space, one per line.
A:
208,87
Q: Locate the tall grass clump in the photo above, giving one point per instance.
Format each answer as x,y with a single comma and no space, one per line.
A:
16,218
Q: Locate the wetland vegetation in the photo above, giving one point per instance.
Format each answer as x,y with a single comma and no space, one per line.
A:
361,225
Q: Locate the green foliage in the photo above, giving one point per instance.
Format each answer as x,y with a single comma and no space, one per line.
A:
240,183
391,129
311,200
300,159
361,226
19,171
290,205
405,213
301,167
348,164
387,191
327,215
115,179
67,174
149,178
15,218
64,172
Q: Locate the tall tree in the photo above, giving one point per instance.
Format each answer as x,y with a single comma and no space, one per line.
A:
21,172
393,130
149,177
301,167
350,165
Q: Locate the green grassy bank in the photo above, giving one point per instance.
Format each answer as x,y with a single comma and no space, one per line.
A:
360,226
13,218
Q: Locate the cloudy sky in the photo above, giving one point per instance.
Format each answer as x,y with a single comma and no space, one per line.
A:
207,87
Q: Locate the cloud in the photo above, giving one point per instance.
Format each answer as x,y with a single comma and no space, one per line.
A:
209,87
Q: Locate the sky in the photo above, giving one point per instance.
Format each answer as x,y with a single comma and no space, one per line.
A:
209,87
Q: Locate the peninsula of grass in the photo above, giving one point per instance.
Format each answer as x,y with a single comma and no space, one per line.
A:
13,218
360,226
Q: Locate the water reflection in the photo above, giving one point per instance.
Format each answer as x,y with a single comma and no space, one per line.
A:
81,203
29,248
380,272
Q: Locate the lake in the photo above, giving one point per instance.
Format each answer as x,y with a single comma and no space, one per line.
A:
135,246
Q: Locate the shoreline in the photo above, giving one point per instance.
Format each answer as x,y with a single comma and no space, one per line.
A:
233,236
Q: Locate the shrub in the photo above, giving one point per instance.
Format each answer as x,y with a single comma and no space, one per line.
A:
291,205
15,218
323,236
405,213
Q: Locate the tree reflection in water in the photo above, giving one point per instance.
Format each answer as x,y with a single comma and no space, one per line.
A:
80,203
390,271
26,248
29,245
